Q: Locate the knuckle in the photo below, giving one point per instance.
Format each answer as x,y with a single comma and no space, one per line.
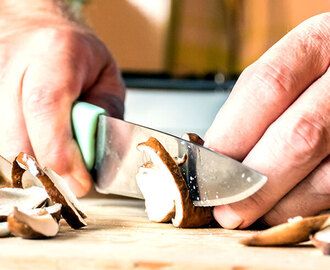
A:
277,79
304,138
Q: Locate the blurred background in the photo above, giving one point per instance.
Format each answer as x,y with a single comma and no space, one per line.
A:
180,58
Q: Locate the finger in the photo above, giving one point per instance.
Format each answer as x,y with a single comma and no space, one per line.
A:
291,148
309,198
268,87
108,91
13,133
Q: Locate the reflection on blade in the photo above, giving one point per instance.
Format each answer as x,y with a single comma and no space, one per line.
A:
212,178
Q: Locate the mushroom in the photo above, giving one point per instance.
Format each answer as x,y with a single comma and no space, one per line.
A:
165,190
39,225
25,199
192,137
55,186
321,240
4,231
296,231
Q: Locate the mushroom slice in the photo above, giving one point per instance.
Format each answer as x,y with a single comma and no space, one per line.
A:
157,189
57,190
23,198
41,225
5,173
192,137
22,178
321,240
54,210
4,231
163,187
296,231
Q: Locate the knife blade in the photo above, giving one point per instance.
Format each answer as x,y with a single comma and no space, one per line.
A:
212,178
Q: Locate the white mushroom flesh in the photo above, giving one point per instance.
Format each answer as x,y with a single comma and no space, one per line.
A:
64,189
22,198
43,224
154,185
4,231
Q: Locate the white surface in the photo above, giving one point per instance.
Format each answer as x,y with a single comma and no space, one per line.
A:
174,111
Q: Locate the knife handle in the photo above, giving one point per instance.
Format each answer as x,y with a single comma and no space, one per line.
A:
84,123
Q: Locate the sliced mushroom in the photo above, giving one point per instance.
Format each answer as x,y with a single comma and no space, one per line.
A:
22,178
23,198
4,231
56,188
192,137
289,233
321,240
5,173
32,226
164,188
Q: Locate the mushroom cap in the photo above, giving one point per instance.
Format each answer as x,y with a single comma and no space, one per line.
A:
192,137
186,214
56,188
32,226
288,233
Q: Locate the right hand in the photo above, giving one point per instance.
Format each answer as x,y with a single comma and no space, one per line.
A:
46,63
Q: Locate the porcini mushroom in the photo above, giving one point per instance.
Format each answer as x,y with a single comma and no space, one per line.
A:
296,231
165,189
55,186
40,225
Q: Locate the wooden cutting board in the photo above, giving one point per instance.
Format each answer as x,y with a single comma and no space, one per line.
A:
119,236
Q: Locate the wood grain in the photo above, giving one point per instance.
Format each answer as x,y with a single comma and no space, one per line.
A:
119,236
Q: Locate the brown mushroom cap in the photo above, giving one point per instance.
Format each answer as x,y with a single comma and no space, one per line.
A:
186,214
56,188
192,137
288,233
34,226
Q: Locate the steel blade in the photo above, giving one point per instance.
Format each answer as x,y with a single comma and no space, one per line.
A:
212,178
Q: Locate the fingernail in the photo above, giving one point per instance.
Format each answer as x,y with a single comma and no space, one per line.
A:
227,217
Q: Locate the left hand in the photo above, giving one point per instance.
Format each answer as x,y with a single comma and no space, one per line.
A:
277,121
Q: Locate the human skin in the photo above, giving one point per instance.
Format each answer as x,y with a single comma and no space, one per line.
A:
47,61
277,121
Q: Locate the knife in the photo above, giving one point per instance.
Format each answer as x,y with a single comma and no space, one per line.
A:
108,146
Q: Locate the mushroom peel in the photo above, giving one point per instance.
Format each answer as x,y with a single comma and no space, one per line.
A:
163,177
290,233
34,226
56,188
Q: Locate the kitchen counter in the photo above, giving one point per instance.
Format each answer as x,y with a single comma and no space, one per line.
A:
119,236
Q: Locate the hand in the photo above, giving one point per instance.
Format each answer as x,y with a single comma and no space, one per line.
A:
46,63
277,121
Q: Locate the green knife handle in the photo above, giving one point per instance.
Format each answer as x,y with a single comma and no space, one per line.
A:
84,123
